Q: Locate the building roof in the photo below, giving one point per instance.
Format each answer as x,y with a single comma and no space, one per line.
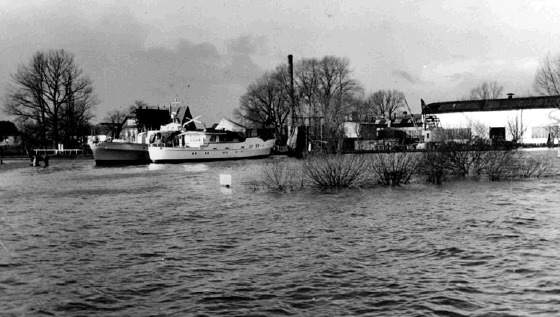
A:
544,102
401,121
152,119
8,128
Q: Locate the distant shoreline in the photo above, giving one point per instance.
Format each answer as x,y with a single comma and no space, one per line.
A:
12,163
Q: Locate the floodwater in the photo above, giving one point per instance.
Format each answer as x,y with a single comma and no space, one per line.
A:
168,240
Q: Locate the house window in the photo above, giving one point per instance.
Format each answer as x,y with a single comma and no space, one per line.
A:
458,134
539,133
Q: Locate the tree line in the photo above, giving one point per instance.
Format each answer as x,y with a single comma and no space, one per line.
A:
52,99
324,95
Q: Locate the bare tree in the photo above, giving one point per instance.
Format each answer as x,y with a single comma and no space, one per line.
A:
267,101
547,78
50,92
115,121
386,102
516,128
486,90
307,83
325,94
336,88
368,108
359,109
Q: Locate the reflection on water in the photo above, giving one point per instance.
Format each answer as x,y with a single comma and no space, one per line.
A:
170,240
156,167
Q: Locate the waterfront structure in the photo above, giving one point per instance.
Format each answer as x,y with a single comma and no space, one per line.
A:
528,120
383,134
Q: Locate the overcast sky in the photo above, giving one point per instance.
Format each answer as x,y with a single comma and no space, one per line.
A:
207,52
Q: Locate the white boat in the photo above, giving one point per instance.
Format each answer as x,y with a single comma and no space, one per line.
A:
226,141
112,152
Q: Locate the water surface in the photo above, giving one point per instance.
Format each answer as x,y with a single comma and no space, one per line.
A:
168,240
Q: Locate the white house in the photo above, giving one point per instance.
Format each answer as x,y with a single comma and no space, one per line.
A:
530,120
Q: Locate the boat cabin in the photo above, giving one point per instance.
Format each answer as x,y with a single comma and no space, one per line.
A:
194,138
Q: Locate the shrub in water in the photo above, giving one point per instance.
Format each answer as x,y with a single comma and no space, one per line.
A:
335,170
497,164
433,166
395,168
283,176
532,166
279,176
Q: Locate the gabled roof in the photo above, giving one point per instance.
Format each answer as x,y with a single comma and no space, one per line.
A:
545,102
229,125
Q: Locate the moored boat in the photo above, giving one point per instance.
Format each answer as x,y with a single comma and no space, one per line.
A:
120,152
115,152
227,141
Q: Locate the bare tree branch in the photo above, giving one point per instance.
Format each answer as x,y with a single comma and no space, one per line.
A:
52,93
486,90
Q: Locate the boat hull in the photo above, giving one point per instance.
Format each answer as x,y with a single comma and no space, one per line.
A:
249,149
109,153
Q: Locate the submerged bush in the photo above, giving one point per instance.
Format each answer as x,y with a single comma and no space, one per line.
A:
279,176
464,158
282,176
433,167
335,170
497,165
395,168
531,167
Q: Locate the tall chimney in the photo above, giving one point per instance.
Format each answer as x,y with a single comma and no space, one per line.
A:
291,70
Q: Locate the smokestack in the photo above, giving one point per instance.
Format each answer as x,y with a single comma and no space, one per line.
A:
291,70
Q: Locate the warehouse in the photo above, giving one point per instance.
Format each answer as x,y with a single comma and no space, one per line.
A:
529,120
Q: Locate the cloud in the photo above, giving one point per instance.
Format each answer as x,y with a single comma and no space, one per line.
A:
247,45
195,72
407,76
111,49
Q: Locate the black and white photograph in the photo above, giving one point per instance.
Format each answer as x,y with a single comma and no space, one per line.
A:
280,158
